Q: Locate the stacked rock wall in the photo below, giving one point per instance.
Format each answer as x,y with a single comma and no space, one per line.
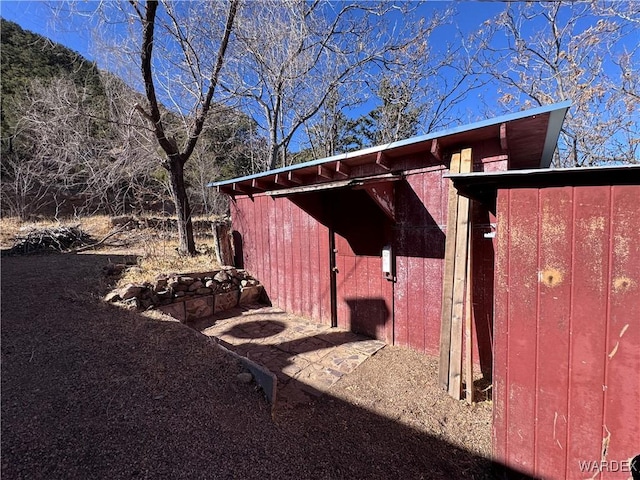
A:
192,296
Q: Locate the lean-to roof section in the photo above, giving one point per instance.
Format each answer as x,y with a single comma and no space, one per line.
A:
528,137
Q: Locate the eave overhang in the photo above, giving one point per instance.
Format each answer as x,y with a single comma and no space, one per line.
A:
483,187
528,137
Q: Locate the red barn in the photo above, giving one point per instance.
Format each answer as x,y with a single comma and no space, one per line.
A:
358,240
371,241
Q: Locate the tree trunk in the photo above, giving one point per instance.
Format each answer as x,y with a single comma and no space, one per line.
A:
186,243
177,158
273,148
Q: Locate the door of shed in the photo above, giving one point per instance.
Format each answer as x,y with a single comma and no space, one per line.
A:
363,295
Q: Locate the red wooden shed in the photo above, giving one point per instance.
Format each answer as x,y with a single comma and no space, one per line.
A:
359,240
566,368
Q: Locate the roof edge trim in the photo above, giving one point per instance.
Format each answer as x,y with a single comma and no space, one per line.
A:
557,113
556,119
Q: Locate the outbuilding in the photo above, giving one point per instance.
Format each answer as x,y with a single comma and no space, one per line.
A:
463,243
359,240
566,345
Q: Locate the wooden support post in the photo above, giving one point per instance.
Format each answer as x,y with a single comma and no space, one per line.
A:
455,278
241,188
468,327
383,161
435,149
460,277
383,194
292,177
281,179
447,294
223,243
258,184
503,137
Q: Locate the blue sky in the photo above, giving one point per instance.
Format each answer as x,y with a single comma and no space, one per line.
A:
53,20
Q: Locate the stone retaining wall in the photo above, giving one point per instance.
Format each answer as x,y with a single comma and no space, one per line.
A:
191,296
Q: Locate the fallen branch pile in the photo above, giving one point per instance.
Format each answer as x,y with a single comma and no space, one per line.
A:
58,239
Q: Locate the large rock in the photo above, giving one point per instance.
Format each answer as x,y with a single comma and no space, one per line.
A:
221,277
130,291
225,301
113,296
164,294
198,307
249,295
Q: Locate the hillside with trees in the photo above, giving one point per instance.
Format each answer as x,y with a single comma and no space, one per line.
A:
73,144
27,56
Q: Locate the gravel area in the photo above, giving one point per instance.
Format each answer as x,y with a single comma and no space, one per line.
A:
90,390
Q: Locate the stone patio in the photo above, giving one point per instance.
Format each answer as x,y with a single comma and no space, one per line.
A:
306,358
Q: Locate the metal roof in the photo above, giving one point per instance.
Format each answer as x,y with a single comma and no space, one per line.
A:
483,186
547,135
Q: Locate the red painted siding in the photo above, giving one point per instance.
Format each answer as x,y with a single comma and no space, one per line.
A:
567,329
419,248
288,250
286,245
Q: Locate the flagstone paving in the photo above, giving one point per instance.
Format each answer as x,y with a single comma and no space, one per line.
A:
306,358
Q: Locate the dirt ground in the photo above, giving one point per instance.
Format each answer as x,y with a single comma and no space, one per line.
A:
90,390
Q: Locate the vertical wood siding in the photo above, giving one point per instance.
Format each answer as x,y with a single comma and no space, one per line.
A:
419,248
567,329
286,246
288,251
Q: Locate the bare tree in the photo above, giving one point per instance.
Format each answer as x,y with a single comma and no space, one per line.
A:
128,173
24,187
78,151
181,50
331,132
177,155
293,57
227,148
52,139
418,88
548,52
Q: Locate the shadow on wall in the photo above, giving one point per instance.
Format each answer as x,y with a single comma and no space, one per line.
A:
356,219
351,214
368,316
355,216
483,259
238,248
416,233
